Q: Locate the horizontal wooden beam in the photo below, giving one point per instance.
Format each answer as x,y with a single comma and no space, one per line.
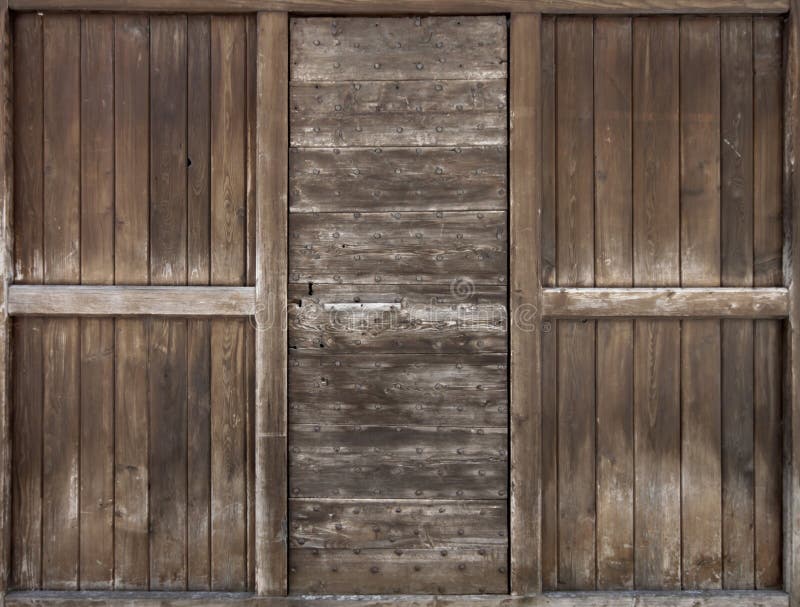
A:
668,303
393,7
51,300
558,599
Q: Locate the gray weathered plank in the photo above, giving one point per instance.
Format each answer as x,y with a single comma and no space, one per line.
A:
387,179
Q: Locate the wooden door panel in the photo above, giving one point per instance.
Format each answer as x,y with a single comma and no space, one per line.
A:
398,397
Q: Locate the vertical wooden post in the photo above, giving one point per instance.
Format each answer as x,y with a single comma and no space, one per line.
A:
6,236
791,414
272,149
525,303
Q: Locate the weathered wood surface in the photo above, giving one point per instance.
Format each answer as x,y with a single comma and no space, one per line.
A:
552,599
385,179
401,247
271,416
116,413
400,318
6,273
397,294
417,6
400,48
130,301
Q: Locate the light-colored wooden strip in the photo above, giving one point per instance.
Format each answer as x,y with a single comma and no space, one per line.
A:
525,304
791,407
130,301
553,599
272,143
387,7
666,302
327,49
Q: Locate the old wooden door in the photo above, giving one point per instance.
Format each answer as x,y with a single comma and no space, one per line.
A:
398,400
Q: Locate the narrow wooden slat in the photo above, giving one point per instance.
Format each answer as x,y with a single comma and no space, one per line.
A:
557,599
480,48
576,340
380,571
768,243
737,270
61,417
430,247
656,228
167,360
272,141
228,144
26,532
665,302
416,6
525,292
791,408
130,301
701,482
228,439
97,335
131,266
614,267
198,172
198,337
386,179
549,335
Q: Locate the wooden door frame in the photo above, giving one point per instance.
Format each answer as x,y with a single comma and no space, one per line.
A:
529,302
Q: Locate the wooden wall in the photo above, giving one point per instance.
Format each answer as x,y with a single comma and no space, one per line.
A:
662,438
132,463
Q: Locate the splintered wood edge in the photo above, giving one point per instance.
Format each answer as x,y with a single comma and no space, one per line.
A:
46,300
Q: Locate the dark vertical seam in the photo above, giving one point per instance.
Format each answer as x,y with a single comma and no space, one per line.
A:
80,322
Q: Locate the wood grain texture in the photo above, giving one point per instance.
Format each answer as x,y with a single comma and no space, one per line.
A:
417,6
426,43
700,434
131,301
656,228
614,267
385,179
272,139
525,356
768,254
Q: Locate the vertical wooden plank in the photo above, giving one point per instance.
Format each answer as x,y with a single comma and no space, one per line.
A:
614,268
768,242
575,267
701,483
525,293
26,538
198,546
168,265
737,270
228,267
228,481
549,336
791,533
272,142
228,144
199,149
97,335
656,229
168,73
131,266
60,336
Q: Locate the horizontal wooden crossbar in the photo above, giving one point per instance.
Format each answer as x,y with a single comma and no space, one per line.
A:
558,599
656,303
415,6
50,300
